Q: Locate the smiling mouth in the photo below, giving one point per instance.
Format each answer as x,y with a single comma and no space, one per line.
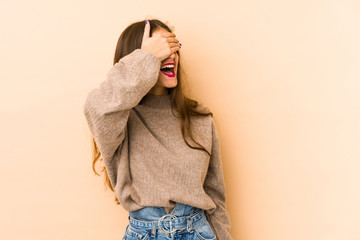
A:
169,72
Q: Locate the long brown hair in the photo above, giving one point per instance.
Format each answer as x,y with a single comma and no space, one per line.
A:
129,40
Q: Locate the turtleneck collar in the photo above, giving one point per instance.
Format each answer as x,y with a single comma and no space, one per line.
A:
157,101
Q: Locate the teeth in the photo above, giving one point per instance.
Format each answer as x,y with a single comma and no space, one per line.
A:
167,66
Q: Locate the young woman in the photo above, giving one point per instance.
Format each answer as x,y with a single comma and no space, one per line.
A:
160,149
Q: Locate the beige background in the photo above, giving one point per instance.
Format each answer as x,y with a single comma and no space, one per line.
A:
281,77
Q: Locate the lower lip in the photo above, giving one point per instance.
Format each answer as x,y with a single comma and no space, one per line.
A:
168,75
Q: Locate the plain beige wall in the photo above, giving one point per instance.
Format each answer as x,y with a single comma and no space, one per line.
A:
281,77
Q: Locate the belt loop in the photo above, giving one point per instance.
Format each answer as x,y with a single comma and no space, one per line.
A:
153,230
189,226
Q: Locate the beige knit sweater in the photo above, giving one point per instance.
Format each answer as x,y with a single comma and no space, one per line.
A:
145,155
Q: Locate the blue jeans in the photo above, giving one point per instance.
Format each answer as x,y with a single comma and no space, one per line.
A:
183,223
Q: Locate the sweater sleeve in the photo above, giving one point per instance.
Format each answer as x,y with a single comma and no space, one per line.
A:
214,186
107,107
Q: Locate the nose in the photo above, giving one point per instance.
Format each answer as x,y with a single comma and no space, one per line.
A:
172,56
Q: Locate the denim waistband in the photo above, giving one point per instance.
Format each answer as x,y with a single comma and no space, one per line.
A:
183,218
154,213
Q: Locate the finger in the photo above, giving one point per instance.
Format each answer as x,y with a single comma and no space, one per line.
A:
168,34
175,49
174,45
170,40
146,30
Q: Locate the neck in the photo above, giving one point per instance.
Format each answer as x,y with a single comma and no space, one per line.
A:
157,90
157,101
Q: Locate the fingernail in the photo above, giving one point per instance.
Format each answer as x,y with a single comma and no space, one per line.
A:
146,22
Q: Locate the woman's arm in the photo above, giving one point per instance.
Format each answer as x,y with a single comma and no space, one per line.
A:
107,107
214,186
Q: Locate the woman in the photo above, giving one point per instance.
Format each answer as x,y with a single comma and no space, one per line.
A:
160,149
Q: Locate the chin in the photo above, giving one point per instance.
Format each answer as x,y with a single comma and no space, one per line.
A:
169,83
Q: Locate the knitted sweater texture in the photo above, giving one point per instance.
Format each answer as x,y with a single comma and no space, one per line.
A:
146,158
